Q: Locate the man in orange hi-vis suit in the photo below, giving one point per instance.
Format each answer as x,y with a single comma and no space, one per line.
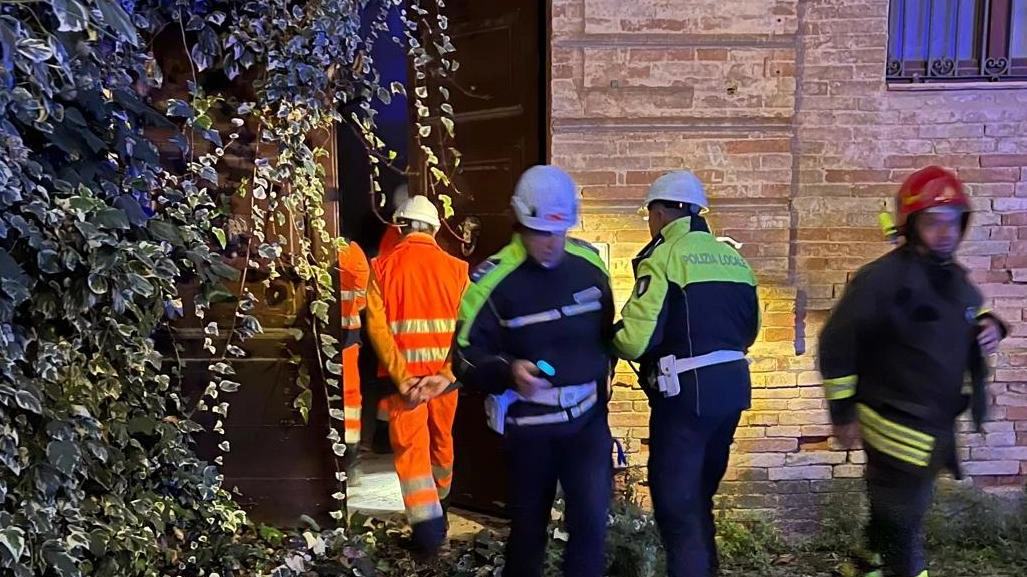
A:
412,301
353,274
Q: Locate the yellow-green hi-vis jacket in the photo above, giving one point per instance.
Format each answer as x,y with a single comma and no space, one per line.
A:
694,302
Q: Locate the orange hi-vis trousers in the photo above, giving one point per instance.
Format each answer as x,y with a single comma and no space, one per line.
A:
351,398
422,440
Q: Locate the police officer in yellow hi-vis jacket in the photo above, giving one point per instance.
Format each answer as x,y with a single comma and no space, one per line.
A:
689,321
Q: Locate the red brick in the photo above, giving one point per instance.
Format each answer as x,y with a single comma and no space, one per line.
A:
767,445
857,175
972,175
711,54
629,420
590,178
991,160
755,146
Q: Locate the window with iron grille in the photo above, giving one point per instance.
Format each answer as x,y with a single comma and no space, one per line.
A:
957,40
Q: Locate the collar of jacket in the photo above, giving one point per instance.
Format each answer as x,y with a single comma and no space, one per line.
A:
672,231
419,238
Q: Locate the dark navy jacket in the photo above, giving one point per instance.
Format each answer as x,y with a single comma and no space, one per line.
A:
516,309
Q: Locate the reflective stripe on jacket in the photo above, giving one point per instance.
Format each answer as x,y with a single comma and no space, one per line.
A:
895,355
517,309
412,303
354,272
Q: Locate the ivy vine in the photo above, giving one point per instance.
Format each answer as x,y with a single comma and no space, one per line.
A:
100,229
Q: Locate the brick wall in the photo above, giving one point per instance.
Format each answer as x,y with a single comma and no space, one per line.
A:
782,110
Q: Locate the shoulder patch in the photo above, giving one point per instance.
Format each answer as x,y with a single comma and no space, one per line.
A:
582,244
642,285
483,269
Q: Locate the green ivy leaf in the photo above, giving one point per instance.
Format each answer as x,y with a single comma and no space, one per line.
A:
48,261
13,539
222,239
166,232
179,108
64,455
115,17
447,205
112,218
34,49
320,310
98,284
140,285
71,15
302,402
424,131
65,564
229,386
448,123
29,401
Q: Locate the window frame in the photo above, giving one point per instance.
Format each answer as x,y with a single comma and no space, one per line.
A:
991,61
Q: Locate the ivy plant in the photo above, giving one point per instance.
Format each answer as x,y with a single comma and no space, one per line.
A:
99,231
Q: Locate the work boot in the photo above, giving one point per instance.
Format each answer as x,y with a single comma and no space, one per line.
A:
869,564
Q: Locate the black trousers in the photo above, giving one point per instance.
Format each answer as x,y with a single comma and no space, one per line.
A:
899,501
688,457
578,455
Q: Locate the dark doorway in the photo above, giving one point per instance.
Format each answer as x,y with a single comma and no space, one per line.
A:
499,94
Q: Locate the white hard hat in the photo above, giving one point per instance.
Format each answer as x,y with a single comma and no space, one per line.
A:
546,199
678,186
418,208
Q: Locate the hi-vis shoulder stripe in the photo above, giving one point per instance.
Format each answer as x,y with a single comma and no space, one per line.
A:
840,388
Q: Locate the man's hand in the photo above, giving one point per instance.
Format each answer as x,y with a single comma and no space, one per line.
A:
429,388
989,335
409,386
525,376
847,435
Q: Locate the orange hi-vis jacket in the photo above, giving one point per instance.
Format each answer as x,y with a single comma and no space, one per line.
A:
389,241
354,272
412,301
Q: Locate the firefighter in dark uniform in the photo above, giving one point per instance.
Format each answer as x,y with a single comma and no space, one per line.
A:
533,332
690,320
895,355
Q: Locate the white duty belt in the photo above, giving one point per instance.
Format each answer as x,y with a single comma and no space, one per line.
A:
671,367
573,401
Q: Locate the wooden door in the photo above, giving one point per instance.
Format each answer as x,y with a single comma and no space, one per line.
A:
498,94
499,97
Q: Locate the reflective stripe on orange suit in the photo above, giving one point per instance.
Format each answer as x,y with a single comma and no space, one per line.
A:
354,271
412,303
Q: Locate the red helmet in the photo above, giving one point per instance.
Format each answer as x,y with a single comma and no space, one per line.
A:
927,188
